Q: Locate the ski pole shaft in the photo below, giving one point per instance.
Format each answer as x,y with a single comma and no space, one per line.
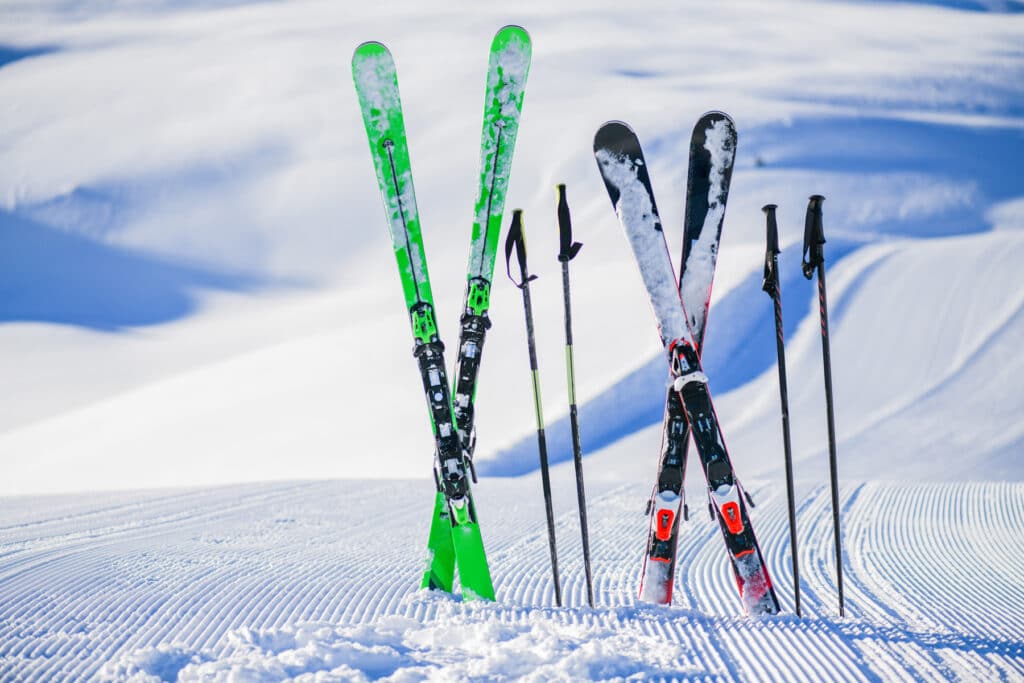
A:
517,241
567,252
771,285
814,259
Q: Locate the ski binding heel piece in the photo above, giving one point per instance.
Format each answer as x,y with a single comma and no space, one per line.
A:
666,503
727,500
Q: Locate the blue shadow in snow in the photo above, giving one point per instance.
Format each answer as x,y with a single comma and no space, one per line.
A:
10,54
996,6
738,347
636,73
48,275
983,157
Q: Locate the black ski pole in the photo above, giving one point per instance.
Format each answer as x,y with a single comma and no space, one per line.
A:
814,258
566,253
771,285
516,240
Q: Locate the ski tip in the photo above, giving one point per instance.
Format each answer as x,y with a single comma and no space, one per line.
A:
611,134
715,115
371,48
512,31
511,34
706,124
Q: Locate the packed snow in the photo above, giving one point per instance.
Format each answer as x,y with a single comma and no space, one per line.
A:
216,458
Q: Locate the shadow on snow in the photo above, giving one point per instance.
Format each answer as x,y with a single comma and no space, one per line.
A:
48,275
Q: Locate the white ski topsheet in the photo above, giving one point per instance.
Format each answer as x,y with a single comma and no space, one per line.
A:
644,232
699,272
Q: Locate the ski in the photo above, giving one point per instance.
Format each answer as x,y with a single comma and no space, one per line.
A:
461,545
621,163
507,69
712,153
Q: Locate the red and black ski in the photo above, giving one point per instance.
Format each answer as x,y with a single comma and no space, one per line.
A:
622,166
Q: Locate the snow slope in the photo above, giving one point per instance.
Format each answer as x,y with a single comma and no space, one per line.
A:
267,582
193,254
215,459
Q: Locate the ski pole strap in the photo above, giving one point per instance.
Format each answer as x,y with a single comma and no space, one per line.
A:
814,236
516,240
568,248
771,275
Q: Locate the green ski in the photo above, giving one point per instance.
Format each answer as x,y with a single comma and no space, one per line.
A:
376,81
507,69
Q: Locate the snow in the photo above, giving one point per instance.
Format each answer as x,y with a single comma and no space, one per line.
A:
216,460
270,581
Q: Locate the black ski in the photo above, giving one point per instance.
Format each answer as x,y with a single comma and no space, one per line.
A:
712,152
621,163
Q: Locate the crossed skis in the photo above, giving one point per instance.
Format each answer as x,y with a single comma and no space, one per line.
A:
455,541
680,307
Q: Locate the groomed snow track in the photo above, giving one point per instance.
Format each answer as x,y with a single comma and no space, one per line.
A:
278,580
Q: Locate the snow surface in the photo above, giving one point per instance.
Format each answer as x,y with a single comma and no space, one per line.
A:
292,581
196,288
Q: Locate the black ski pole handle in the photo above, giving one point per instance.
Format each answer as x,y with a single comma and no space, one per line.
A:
814,236
771,252
516,240
568,248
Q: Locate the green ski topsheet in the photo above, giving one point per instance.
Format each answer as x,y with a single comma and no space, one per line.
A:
507,69
373,70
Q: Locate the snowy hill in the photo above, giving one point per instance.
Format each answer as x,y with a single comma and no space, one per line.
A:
196,290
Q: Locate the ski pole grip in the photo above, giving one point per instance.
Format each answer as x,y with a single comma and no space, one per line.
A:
814,236
771,275
568,249
772,228
516,241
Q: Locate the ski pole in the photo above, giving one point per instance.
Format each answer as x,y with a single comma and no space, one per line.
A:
771,285
814,258
566,253
516,240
